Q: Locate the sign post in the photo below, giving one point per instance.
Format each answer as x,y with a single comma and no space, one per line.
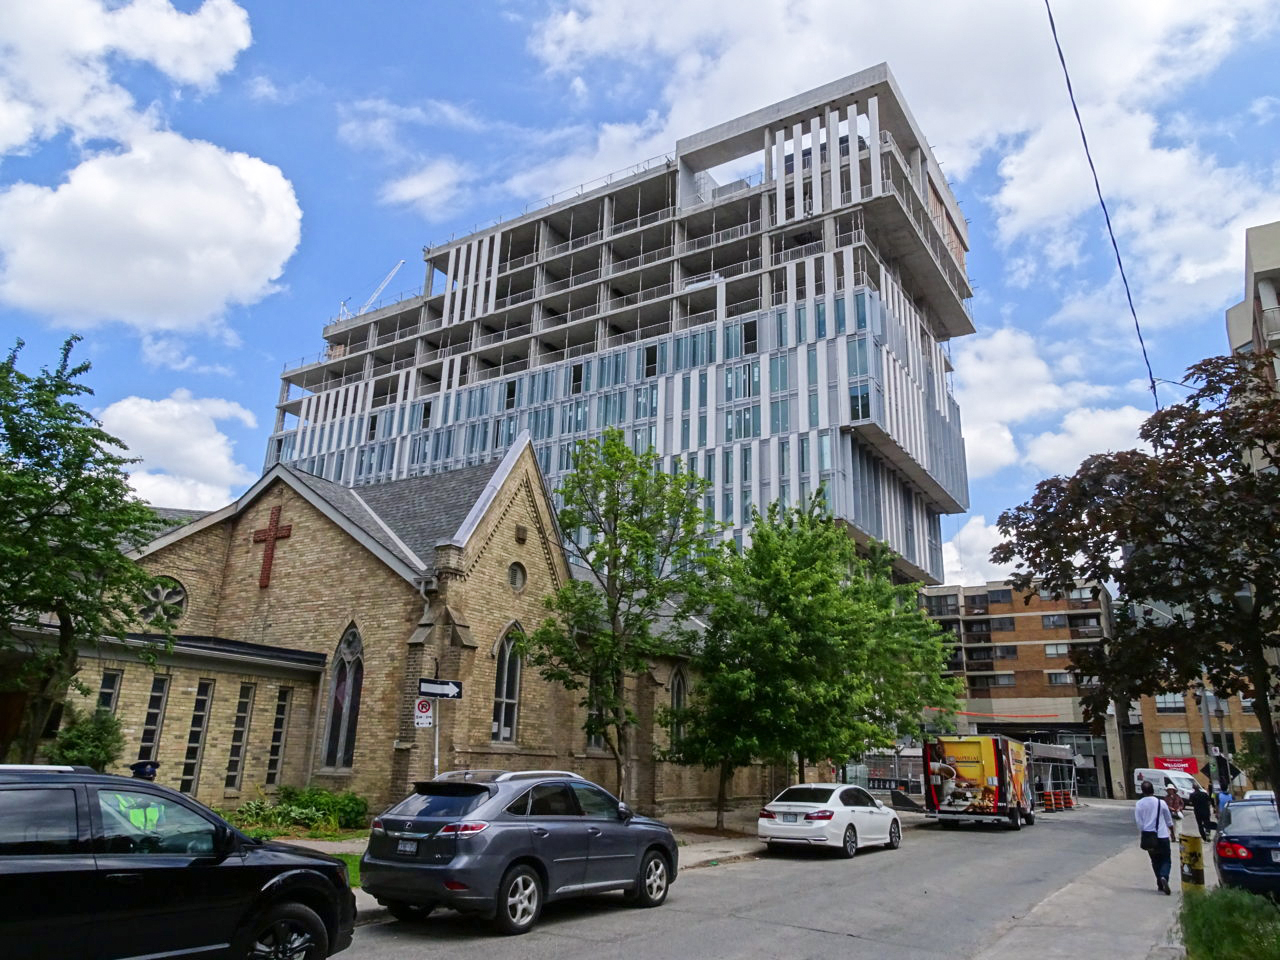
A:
431,690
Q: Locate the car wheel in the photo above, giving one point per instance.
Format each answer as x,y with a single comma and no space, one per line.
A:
652,882
288,931
409,912
1015,819
849,845
519,900
895,836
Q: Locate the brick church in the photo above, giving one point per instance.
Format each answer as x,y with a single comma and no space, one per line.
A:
309,612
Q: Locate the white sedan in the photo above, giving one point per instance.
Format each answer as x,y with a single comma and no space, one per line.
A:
830,815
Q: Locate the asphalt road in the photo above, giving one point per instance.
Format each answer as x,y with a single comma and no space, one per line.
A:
943,894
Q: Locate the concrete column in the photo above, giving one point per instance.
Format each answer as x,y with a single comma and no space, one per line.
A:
815,171
493,271
833,157
780,173
449,286
797,165
873,120
475,256
855,165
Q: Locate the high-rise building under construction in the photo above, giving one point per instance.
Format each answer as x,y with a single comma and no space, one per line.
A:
769,304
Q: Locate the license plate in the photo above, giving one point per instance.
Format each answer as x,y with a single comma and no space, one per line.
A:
407,846
788,818
1275,856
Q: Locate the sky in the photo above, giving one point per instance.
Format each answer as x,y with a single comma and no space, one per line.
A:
195,187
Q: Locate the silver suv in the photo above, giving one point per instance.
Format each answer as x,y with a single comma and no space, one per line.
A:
501,844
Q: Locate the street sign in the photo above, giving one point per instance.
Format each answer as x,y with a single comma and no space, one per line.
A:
440,689
423,716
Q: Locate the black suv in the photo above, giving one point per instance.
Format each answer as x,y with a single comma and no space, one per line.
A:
500,844
103,867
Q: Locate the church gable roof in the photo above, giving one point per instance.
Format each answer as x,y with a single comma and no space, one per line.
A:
401,521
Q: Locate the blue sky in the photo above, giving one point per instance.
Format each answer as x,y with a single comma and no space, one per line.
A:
194,187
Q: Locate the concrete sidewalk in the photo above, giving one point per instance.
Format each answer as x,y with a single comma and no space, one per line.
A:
701,845
1114,910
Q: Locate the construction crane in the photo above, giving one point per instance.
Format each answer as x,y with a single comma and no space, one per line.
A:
346,314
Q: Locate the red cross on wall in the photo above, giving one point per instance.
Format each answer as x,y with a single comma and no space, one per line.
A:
269,536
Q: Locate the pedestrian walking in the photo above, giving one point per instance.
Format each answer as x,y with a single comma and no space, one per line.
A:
1176,804
1201,804
1156,822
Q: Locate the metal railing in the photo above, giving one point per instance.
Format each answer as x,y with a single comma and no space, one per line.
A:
723,236
648,219
797,253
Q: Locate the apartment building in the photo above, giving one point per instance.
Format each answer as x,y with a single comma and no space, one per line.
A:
1013,650
1253,325
769,304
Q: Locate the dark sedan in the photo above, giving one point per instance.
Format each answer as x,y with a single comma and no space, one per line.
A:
1247,853
501,844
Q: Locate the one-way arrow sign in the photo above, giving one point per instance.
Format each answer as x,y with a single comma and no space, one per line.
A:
440,689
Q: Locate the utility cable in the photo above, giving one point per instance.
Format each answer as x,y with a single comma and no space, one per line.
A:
1151,378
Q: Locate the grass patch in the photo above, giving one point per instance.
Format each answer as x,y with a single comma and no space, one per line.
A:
353,866
1230,924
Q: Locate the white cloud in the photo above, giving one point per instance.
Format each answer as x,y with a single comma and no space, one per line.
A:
186,460
436,189
378,124
1002,380
966,557
163,235
1082,433
56,61
148,228
578,87
1264,109
171,353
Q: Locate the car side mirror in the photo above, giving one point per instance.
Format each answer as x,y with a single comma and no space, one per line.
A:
624,812
879,805
224,841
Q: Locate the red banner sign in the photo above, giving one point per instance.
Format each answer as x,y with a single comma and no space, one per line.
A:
1181,764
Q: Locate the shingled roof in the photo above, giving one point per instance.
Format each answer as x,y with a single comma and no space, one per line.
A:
410,516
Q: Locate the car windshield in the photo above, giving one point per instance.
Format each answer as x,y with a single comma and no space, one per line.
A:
440,800
1253,818
804,795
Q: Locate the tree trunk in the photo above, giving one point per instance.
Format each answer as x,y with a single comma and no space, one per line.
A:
49,689
1260,676
722,798
799,768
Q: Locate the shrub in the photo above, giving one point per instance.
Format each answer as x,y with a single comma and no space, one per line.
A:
91,739
313,807
1230,924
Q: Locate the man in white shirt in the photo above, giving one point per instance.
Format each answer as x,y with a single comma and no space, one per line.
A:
1153,816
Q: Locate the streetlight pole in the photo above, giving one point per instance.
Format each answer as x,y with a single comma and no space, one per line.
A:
1224,769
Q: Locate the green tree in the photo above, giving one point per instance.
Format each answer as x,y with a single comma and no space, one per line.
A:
810,649
1252,758
1193,524
637,537
66,514
89,738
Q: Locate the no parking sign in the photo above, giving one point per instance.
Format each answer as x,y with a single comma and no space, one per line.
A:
422,713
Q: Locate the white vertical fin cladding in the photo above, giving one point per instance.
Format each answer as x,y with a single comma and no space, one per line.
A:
797,169
855,162
493,271
832,121
450,285
780,173
815,163
873,146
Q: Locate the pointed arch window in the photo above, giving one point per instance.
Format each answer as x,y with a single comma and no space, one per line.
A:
679,699
506,692
344,700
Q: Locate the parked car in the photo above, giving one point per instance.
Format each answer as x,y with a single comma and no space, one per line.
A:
501,844
106,867
1259,795
1247,851
832,815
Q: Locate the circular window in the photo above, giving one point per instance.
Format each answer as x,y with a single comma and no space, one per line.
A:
166,599
517,577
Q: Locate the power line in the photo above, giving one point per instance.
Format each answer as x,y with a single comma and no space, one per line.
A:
1151,378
